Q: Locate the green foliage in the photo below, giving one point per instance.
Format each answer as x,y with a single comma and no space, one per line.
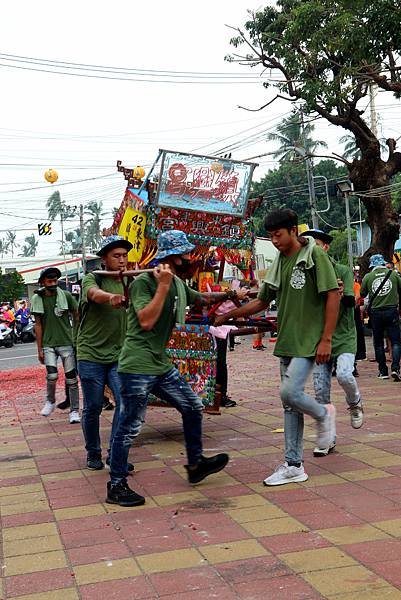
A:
339,245
12,286
57,208
3,247
92,228
396,193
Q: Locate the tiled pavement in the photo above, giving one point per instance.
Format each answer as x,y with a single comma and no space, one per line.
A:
337,535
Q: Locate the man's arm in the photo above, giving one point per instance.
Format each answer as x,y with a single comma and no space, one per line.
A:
39,338
95,294
323,350
251,308
150,314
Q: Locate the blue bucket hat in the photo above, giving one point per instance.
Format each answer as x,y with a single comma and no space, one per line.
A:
113,241
376,260
172,242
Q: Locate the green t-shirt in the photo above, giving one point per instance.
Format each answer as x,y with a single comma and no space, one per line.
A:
144,352
388,295
57,331
344,338
301,303
102,329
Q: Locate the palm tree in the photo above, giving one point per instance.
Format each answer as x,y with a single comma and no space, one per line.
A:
11,243
30,246
73,241
92,232
57,208
290,134
3,247
351,150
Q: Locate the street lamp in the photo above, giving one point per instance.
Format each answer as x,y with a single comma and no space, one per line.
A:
346,187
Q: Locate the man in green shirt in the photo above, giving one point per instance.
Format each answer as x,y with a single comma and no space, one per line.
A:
52,308
100,337
384,313
343,346
157,302
303,280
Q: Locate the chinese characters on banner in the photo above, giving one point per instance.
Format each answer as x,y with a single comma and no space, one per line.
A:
203,183
132,228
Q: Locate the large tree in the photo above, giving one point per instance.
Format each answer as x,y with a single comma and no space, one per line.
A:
324,54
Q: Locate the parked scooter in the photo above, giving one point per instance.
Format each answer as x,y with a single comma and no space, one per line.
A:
6,336
24,333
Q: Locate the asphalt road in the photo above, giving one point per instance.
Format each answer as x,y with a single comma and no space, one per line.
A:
20,355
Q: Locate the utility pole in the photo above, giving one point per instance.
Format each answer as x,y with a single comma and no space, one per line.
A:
311,182
83,245
349,238
63,244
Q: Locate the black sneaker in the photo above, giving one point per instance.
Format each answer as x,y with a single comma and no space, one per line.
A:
228,402
121,494
64,405
395,374
383,376
131,467
206,466
94,464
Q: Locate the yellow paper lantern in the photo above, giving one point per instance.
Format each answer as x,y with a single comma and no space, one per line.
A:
138,172
216,167
51,176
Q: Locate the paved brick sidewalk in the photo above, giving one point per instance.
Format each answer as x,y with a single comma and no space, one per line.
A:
337,535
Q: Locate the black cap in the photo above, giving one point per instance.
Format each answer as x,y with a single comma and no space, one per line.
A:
50,272
318,234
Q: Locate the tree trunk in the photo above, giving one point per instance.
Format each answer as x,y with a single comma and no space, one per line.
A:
366,174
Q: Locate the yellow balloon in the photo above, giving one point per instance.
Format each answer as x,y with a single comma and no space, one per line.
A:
51,176
138,172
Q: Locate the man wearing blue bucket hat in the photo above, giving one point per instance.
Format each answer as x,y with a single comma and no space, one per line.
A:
100,337
383,287
157,302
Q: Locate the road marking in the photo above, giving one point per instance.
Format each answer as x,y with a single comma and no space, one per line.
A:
17,356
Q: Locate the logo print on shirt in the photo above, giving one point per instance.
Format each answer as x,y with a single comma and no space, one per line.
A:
387,287
298,278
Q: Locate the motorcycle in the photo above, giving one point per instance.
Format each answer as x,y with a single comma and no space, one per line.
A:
24,333
6,336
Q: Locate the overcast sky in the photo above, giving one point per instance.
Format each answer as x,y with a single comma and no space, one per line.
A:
81,126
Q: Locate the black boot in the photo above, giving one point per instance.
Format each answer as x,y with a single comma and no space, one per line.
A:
121,494
94,463
206,466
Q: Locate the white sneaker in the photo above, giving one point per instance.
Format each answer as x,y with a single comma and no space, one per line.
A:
286,474
74,417
326,429
324,451
356,413
48,409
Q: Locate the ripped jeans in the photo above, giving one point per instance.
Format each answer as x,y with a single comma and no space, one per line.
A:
135,390
66,353
344,370
294,374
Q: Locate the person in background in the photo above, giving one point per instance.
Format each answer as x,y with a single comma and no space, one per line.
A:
384,313
343,346
23,312
53,308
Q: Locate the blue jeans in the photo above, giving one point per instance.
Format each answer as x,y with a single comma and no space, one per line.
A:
386,320
322,375
94,376
294,373
135,390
